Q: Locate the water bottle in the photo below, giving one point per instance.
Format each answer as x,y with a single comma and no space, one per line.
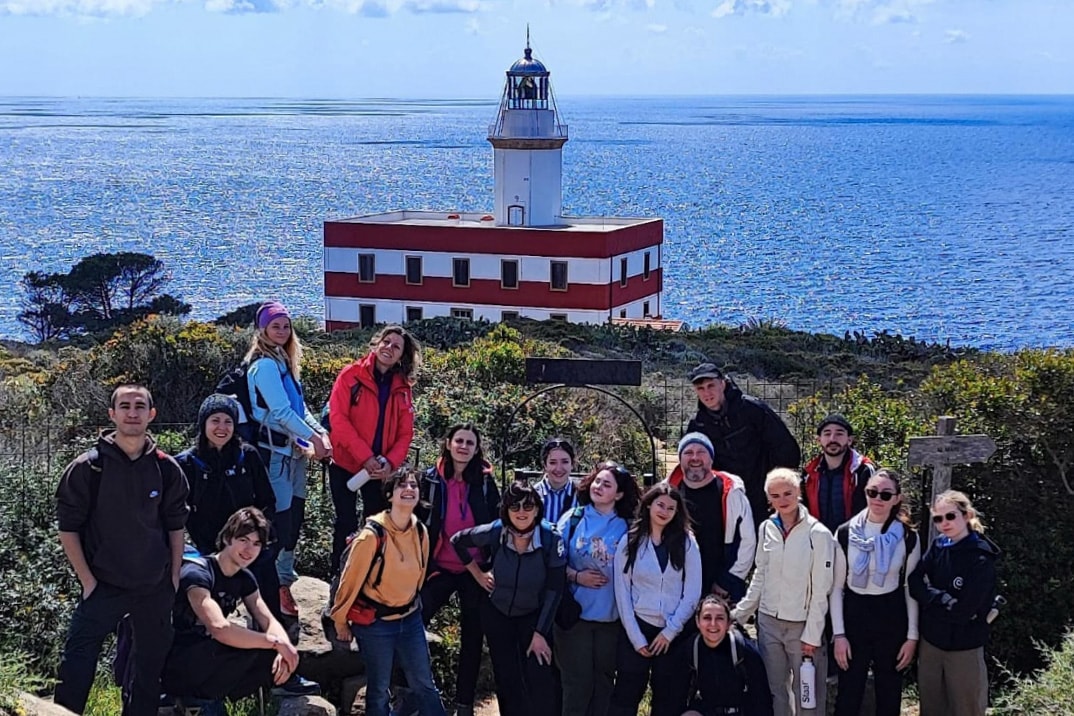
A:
357,480
807,680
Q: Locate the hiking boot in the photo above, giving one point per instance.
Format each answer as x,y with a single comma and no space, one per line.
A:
288,607
297,686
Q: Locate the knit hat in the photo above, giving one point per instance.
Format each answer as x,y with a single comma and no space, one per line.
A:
700,439
217,403
835,419
270,311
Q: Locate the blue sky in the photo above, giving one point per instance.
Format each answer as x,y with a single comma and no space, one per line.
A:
460,48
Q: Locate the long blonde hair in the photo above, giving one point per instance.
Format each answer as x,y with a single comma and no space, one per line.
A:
962,502
290,353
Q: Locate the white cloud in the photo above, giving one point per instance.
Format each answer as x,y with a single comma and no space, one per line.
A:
890,15
954,36
774,8
237,7
91,8
472,27
421,7
657,29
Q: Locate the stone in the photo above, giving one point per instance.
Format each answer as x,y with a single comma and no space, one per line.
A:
306,706
34,706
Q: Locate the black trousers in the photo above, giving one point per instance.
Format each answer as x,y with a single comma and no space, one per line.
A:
207,669
876,629
345,503
670,681
524,686
94,619
434,595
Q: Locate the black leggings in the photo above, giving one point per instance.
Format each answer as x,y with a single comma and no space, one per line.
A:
345,503
876,629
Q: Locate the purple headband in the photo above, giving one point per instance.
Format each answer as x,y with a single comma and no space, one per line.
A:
269,312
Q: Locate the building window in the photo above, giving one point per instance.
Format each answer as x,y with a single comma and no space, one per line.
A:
645,309
557,317
413,313
414,276
367,315
647,268
508,273
367,268
465,313
622,271
622,313
506,316
516,215
559,276
461,272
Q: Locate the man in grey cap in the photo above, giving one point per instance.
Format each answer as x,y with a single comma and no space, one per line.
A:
748,438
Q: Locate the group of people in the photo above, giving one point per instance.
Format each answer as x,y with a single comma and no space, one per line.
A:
586,591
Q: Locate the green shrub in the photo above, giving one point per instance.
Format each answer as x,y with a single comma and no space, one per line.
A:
1048,691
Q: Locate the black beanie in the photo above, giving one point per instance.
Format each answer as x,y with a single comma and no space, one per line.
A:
835,419
217,403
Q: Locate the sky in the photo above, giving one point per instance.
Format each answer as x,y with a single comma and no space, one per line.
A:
460,48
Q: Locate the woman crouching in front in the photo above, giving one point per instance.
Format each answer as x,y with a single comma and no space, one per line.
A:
377,601
524,583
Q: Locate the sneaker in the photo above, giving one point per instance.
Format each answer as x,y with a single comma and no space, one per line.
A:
297,686
287,603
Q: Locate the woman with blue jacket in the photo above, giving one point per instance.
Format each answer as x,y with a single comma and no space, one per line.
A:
585,652
287,431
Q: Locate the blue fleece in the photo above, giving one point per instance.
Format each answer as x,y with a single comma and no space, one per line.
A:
592,546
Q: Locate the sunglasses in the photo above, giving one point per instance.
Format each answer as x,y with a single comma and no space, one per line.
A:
947,517
520,506
882,495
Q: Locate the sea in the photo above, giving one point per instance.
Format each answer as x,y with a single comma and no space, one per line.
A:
946,218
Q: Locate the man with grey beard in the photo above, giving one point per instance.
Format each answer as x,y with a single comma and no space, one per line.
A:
720,515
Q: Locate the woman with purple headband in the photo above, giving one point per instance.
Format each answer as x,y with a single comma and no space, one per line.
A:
287,431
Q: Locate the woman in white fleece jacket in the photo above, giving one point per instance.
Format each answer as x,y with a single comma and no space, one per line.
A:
657,585
789,591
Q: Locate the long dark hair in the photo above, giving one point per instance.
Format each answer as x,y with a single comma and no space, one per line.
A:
474,472
674,535
627,505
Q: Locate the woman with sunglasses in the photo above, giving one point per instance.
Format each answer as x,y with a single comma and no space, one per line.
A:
657,586
874,618
458,492
524,583
377,599
585,653
789,592
955,584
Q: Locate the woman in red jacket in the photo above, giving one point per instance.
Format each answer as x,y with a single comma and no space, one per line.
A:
372,424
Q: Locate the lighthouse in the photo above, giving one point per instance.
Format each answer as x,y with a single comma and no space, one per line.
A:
527,139
524,259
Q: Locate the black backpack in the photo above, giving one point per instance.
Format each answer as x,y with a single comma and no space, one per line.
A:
738,657
326,421
235,384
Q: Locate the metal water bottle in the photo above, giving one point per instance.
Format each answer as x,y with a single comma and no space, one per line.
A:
807,681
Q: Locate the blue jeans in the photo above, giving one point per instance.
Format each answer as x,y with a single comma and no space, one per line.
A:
401,641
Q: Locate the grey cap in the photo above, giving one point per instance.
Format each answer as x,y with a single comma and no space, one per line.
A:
705,370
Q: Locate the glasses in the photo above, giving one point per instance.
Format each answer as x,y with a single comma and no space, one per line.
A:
882,495
947,517
406,485
520,506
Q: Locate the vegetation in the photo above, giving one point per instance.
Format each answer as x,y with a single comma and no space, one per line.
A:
1048,691
52,398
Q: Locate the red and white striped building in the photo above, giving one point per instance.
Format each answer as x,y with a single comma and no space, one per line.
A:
524,260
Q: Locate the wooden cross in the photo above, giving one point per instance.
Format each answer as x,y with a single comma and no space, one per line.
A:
944,450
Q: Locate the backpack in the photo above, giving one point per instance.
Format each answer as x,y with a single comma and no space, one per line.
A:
569,610
236,384
909,538
376,563
197,489
326,421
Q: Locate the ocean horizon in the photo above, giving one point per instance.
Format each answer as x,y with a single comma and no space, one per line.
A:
945,217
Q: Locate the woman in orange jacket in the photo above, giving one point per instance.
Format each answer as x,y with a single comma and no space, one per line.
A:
372,424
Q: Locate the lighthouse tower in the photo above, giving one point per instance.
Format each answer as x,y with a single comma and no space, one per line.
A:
527,139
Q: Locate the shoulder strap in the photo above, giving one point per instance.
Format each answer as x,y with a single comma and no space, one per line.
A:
842,536
909,539
738,657
576,519
378,556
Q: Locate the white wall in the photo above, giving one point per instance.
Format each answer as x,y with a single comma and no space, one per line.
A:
390,311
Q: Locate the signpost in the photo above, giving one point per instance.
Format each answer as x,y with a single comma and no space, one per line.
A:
944,450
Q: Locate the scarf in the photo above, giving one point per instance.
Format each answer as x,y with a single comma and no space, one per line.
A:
884,544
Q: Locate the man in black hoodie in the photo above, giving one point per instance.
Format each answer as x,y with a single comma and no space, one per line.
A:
748,437
121,509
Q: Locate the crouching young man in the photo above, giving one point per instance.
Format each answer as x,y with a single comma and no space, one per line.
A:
212,657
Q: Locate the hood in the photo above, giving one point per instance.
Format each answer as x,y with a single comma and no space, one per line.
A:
107,442
732,395
975,542
362,372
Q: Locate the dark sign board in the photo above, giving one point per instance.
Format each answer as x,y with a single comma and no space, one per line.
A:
583,371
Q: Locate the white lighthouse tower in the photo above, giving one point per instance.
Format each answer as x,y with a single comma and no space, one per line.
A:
527,138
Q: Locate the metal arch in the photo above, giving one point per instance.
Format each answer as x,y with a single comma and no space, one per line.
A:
561,386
